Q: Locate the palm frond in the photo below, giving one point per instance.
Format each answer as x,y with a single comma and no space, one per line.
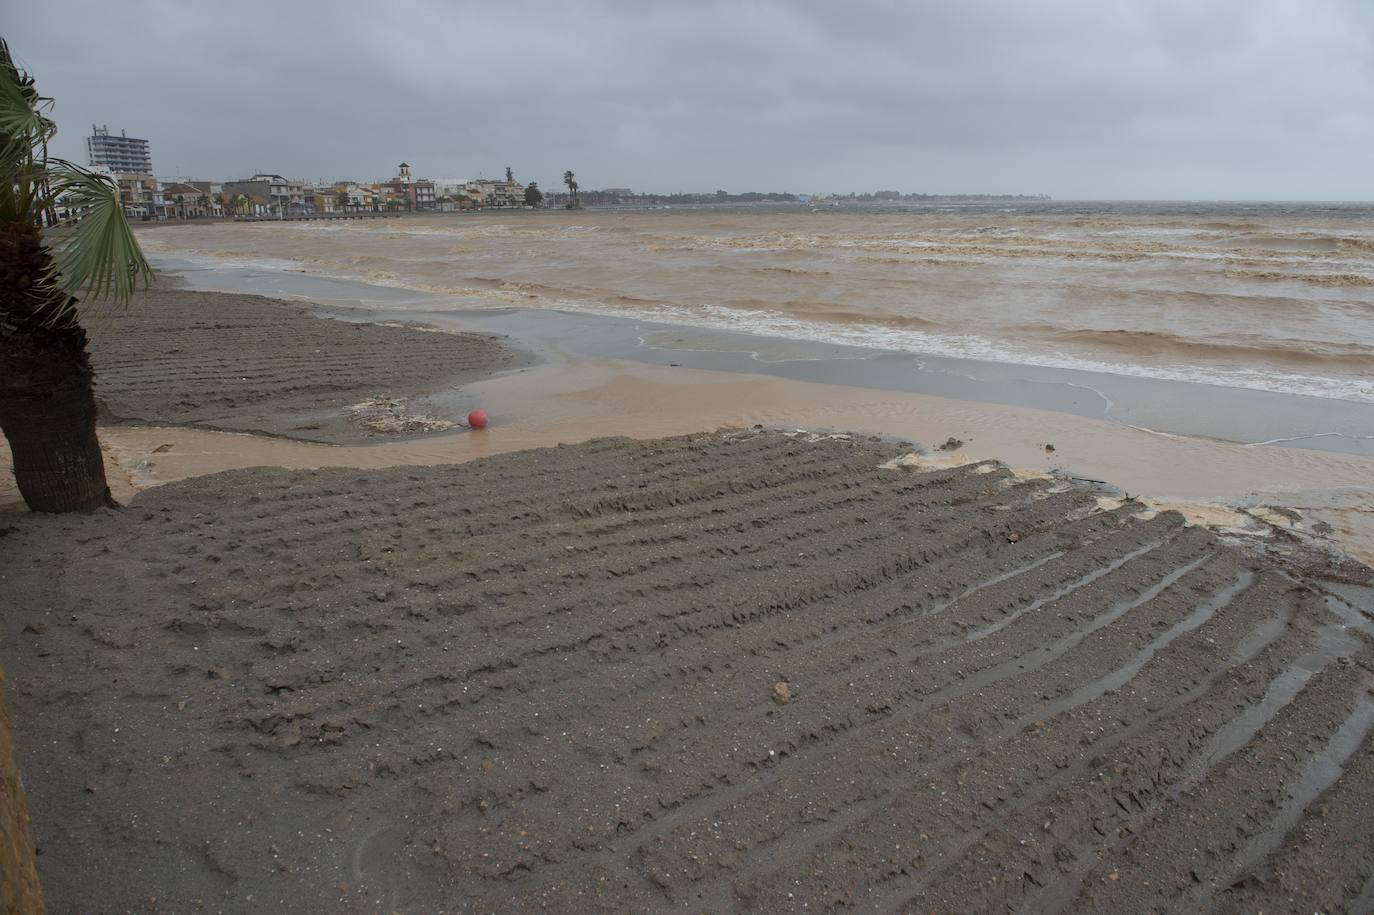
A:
24,124
99,258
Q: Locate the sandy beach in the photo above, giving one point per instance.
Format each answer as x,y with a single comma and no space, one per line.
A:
728,459
750,670
742,671
181,397
250,364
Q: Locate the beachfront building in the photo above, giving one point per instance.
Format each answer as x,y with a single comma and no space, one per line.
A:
184,200
321,200
270,194
476,193
452,194
409,192
121,154
422,194
139,194
215,191
498,193
360,196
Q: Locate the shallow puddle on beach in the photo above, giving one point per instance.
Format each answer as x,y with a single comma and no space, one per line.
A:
572,402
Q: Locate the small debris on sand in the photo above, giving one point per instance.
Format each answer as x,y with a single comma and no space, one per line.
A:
782,692
952,444
1049,449
393,416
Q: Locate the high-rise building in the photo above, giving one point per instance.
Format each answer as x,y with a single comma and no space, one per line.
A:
123,153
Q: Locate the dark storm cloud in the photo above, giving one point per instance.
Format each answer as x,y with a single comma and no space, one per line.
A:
1131,98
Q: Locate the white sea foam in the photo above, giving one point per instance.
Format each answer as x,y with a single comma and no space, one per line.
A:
1245,302
962,346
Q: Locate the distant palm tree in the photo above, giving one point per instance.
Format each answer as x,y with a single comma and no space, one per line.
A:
571,181
47,399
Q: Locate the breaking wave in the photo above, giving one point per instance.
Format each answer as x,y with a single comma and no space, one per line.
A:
1317,279
1238,348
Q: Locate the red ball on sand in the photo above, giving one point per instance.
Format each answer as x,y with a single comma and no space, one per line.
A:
477,419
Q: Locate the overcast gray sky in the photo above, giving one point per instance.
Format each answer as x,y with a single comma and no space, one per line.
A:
1251,99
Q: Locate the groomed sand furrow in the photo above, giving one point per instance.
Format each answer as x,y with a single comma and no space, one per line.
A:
539,529
868,647
574,570
1042,680
269,367
191,368
1272,669
1236,802
402,685
572,634
528,676
689,660
938,594
726,826
981,791
976,757
530,484
1334,838
759,750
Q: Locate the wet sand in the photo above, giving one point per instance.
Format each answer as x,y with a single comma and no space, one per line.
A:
1220,483
747,671
744,672
251,364
598,376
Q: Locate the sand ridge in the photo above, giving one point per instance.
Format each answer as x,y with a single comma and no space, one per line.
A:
253,364
549,681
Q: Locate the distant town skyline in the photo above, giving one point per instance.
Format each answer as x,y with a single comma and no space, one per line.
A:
1233,99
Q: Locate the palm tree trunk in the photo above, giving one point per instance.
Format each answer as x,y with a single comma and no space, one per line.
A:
47,396
47,412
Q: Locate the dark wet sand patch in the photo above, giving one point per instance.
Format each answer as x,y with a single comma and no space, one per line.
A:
253,364
549,681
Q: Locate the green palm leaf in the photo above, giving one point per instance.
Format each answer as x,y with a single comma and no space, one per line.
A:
24,123
99,258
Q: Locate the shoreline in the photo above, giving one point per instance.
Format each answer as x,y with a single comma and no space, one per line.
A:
1275,300
596,376
1241,415
462,666
1224,484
